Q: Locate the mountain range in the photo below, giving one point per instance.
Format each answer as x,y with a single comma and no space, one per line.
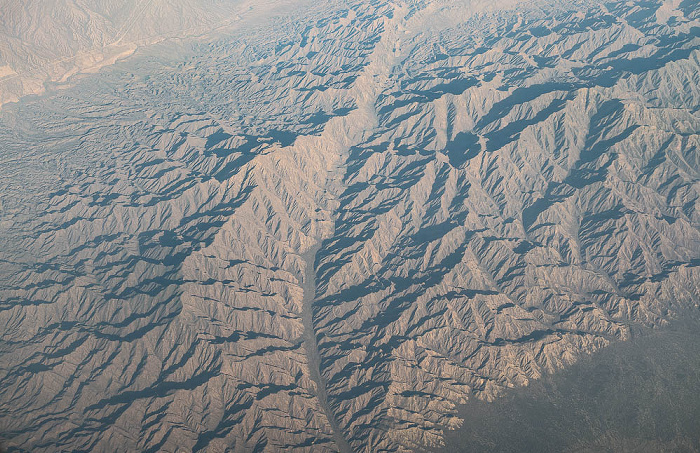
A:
324,226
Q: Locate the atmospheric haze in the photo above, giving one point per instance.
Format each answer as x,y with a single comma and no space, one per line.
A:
348,226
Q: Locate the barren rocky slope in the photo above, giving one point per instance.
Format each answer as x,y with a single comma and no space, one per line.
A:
324,230
44,43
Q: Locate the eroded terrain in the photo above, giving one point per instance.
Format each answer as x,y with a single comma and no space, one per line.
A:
325,230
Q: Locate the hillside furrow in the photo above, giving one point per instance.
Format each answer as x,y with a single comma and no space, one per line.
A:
325,229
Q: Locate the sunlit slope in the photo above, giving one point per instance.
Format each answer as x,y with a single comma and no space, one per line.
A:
530,192
490,191
47,42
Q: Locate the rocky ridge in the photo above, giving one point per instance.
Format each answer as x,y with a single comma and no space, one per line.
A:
327,240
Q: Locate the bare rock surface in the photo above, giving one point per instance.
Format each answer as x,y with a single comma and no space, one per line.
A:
324,227
45,43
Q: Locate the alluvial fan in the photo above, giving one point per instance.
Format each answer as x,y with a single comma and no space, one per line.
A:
322,226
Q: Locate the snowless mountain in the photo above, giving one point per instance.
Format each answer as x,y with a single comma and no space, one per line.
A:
324,225
46,42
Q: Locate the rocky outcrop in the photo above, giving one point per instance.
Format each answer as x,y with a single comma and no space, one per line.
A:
324,230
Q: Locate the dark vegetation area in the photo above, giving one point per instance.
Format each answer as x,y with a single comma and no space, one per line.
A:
636,396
